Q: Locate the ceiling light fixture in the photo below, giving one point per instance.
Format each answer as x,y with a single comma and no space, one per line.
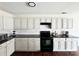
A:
63,12
31,4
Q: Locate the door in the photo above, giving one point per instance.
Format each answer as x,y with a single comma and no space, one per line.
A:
59,23
3,49
37,44
37,23
21,44
68,45
17,23
48,19
55,44
53,23
31,44
42,19
24,23
10,47
61,44
74,44
30,23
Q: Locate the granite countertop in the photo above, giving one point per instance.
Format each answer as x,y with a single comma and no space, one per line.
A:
38,36
3,41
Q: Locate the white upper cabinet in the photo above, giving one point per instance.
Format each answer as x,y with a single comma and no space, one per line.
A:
36,23
24,23
48,19
70,23
53,23
59,23
42,19
1,23
17,23
65,23
30,23
8,23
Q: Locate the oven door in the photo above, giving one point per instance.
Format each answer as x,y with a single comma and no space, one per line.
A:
47,44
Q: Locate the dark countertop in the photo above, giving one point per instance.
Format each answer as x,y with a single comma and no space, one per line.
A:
3,41
38,36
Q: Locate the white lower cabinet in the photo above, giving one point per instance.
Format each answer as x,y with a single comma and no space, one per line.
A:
7,48
27,44
65,44
21,44
3,51
59,44
10,47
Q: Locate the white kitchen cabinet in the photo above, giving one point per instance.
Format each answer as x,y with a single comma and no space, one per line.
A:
70,23
37,23
30,23
10,47
1,23
54,23
68,45
21,44
24,23
34,44
55,44
42,19
48,19
59,23
3,49
27,44
17,23
65,24
31,44
37,44
8,23
74,44
65,44
59,44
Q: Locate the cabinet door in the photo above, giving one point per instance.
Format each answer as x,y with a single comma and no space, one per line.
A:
70,23
30,23
1,23
37,44
54,23
65,24
74,44
3,49
17,23
59,23
48,19
42,19
31,44
68,45
55,44
61,44
21,44
23,23
37,23
10,47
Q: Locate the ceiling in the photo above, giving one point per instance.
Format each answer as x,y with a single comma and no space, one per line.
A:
41,7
